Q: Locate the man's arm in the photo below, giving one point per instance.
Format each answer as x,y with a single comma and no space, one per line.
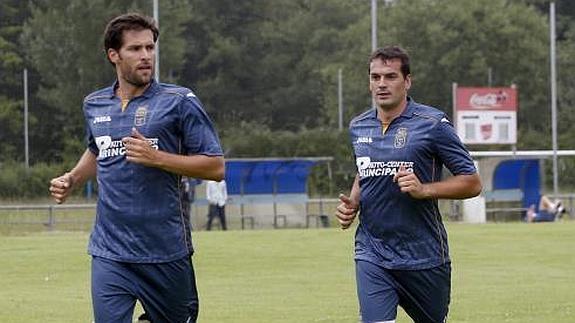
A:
455,187
62,186
138,150
346,211
199,166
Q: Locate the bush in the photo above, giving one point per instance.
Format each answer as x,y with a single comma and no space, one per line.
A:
18,182
241,141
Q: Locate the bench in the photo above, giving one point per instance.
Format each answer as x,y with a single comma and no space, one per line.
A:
321,217
279,220
504,201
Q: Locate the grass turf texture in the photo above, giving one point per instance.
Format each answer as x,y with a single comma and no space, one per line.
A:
512,272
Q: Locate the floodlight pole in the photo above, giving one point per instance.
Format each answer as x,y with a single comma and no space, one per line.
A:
340,100
157,48
373,25
553,96
26,145
373,35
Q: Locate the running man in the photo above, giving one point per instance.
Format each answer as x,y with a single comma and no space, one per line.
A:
142,137
400,147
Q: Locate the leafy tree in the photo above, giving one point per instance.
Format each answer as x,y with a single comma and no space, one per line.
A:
12,15
458,41
70,59
263,61
267,70
565,50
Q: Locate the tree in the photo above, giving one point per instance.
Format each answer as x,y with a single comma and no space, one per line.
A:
458,41
70,59
12,15
264,61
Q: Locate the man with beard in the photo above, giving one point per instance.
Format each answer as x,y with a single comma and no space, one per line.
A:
142,137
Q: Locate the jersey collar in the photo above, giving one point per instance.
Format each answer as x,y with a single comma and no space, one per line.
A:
408,112
150,91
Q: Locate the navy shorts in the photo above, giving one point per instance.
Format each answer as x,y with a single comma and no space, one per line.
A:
423,294
544,216
167,291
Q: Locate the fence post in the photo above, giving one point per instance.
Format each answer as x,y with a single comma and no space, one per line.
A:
51,220
571,207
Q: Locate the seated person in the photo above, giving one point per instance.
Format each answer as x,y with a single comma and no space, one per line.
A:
548,211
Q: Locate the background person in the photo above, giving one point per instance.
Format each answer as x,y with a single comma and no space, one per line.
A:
217,196
400,147
192,183
548,211
142,136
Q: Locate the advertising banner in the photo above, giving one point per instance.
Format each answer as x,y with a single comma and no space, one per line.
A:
486,115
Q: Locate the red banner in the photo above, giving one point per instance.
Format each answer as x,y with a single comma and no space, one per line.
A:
486,98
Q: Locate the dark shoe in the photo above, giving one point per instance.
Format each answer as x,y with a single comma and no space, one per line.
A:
560,208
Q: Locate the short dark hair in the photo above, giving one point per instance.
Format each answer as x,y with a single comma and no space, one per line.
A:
392,52
130,21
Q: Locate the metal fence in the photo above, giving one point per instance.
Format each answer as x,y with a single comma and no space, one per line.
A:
47,216
315,213
240,215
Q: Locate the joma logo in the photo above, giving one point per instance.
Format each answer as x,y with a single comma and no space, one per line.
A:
102,119
364,140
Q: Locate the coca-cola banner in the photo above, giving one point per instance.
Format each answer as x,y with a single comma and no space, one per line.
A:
487,98
486,115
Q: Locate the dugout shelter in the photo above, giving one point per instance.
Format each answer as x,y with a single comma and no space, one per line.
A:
512,181
271,191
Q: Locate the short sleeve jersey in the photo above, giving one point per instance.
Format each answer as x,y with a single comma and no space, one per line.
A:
397,231
140,217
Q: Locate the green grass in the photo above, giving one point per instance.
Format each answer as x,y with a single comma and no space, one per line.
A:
513,272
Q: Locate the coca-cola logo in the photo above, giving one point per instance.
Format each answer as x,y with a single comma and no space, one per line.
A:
489,100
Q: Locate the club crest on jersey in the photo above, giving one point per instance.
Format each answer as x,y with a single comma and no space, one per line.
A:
140,115
400,138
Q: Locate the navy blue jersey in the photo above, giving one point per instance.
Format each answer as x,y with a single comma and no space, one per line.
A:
397,231
139,216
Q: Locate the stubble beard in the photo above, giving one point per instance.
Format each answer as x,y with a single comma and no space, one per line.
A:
137,80
387,105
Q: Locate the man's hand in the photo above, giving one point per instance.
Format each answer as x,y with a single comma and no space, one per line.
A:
346,211
409,183
61,187
139,150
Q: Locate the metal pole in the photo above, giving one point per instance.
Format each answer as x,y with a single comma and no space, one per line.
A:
275,206
373,25
26,146
454,105
553,95
157,62
340,99
373,35
514,146
51,219
329,176
242,199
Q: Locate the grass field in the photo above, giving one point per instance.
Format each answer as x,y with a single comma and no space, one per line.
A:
513,272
